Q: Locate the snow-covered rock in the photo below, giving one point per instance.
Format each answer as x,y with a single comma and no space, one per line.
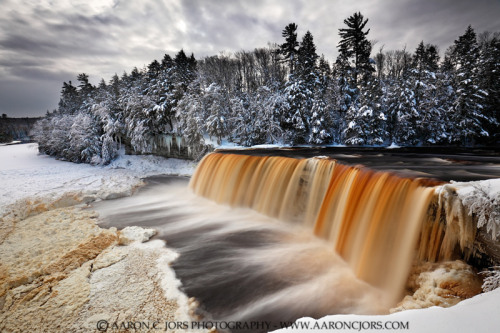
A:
132,234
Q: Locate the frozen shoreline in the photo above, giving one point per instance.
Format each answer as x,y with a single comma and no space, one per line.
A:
25,174
74,273
27,177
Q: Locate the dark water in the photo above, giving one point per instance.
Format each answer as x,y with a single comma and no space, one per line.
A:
242,266
442,163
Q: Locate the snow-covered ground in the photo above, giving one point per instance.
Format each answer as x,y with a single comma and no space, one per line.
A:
477,314
26,174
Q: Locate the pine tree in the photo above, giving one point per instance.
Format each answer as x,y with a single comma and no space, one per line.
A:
355,47
424,80
366,120
167,62
154,69
321,120
308,75
85,88
289,49
467,110
489,82
300,91
69,103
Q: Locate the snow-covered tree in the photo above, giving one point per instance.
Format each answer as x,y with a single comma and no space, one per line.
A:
218,112
467,114
190,115
300,90
84,139
321,111
69,103
366,120
489,82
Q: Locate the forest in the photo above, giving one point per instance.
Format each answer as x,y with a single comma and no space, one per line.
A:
287,94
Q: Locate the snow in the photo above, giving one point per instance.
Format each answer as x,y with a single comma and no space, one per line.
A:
483,199
149,165
477,314
10,143
133,234
24,173
225,144
393,146
262,146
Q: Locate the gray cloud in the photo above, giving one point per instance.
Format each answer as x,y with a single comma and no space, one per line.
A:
28,99
46,42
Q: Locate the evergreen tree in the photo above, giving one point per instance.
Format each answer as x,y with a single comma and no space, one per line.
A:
299,88
321,121
366,120
167,62
254,117
218,112
424,80
289,49
355,47
404,111
348,92
69,102
85,88
84,139
489,82
307,73
154,69
467,110
190,115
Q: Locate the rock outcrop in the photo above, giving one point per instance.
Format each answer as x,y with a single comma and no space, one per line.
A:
60,272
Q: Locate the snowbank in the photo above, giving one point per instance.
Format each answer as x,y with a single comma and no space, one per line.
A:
133,234
149,165
477,314
25,174
483,199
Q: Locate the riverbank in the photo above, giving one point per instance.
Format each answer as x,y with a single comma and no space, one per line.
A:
61,272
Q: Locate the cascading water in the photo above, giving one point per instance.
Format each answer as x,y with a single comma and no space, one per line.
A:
282,238
371,218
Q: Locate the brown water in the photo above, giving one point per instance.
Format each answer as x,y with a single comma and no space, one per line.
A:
372,219
275,239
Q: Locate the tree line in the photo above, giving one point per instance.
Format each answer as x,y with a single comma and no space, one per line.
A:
287,94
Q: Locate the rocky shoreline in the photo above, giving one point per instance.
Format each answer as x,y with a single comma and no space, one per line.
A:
59,271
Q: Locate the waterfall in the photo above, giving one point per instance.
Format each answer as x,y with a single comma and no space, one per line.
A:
275,238
374,220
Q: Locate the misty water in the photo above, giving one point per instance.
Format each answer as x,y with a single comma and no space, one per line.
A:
243,266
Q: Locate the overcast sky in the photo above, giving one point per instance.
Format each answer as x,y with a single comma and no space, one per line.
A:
46,42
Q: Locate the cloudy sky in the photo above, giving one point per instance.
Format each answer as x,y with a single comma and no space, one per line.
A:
46,42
